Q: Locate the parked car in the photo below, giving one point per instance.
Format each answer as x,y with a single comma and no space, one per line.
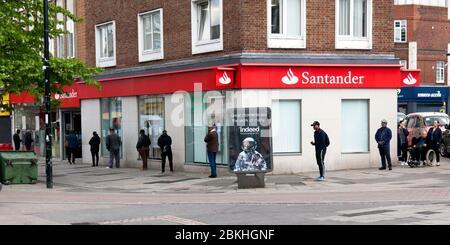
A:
400,116
416,122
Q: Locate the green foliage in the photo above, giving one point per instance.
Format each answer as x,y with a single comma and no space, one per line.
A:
22,45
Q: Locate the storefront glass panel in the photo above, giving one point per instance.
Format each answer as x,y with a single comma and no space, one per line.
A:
111,117
151,119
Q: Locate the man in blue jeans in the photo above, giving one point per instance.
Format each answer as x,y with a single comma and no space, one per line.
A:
212,146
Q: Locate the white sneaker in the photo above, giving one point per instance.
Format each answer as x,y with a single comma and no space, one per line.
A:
108,167
438,164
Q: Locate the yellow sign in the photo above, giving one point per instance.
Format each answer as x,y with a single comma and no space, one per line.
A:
5,101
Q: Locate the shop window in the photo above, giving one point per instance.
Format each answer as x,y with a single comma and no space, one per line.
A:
353,24
201,112
111,117
400,31
355,126
150,26
287,23
151,119
207,27
440,67
286,126
105,44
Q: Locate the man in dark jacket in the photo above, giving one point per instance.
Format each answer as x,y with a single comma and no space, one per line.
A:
212,146
165,144
434,138
95,148
72,144
113,144
28,141
320,142
143,147
383,138
402,142
17,140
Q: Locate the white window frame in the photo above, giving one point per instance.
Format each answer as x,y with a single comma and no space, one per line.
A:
149,55
398,30
109,61
274,107
60,46
284,40
404,64
70,27
349,41
440,71
199,47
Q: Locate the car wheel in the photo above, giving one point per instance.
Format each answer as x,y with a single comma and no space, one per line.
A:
443,150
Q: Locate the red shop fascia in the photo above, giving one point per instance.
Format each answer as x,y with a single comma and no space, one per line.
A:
241,76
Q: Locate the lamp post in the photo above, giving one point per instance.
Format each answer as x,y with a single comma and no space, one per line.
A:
48,137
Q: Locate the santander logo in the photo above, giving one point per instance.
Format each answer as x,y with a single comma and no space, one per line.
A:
225,79
68,95
409,80
290,78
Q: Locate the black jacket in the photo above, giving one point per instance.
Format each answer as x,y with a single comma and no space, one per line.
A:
143,142
28,139
434,138
95,143
164,141
17,140
319,140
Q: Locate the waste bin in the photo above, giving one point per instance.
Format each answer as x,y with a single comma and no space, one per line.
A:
18,167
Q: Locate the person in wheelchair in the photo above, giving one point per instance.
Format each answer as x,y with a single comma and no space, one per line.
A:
420,148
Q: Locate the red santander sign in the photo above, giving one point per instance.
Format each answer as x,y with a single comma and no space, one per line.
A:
320,77
225,77
410,78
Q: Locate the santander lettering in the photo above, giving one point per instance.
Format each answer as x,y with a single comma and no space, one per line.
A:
348,78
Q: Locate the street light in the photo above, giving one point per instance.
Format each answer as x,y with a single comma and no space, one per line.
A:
48,137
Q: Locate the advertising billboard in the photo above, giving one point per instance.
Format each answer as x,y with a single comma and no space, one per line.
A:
250,140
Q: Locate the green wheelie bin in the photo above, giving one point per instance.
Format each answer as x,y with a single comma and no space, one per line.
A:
18,167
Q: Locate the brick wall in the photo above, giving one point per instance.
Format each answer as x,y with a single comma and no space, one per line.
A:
245,28
430,27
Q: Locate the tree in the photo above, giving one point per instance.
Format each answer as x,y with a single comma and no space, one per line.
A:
22,45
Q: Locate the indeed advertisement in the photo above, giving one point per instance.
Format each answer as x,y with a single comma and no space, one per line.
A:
250,140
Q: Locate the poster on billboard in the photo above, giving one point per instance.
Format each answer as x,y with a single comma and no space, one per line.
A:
250,140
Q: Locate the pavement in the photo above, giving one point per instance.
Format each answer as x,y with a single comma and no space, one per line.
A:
130,196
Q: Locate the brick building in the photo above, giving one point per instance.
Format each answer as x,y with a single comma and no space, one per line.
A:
181,65
422,41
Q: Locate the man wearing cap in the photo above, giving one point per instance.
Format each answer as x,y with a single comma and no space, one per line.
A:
383,138
320,142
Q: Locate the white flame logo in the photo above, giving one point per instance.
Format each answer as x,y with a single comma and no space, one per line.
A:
225,79
409,80
290,78
57,96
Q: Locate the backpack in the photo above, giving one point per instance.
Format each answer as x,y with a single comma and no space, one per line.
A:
327,140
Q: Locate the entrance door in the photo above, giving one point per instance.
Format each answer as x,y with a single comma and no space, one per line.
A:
71,121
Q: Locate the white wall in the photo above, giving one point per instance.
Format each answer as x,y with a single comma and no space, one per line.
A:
130,130
90,122
324,105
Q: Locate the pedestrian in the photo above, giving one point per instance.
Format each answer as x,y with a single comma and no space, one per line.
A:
143,147
17,140
383,137
72,146
94,142
212,147
28,140
434,138
165,144
402,143
113,144
321,142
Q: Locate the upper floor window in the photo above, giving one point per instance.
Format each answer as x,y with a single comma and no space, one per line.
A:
207,26
70,28
353,24
105,35
400,31
440,67
150,26
287,23
403,64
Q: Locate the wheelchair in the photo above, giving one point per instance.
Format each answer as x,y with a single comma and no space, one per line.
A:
414,162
